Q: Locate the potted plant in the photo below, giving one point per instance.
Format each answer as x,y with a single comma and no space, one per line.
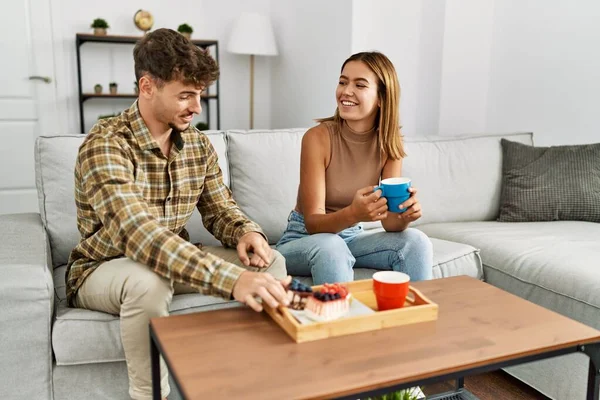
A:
185,30
406,394
202,126
100,26
106,116
112,87
98,88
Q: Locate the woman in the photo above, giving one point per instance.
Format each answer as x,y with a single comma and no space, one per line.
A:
342,160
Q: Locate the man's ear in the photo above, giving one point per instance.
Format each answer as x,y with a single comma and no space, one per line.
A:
146,86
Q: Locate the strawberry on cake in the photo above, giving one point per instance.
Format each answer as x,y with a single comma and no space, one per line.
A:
329,303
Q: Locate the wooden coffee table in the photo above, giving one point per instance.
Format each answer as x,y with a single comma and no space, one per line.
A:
240,354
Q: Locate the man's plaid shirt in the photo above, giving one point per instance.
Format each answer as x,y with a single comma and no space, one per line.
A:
134,202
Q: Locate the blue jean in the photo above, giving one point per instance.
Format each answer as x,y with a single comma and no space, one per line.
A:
330,257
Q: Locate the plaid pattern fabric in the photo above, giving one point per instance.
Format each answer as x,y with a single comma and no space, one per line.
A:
134,202
557,183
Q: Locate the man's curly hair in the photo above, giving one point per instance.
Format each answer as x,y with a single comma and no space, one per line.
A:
167,55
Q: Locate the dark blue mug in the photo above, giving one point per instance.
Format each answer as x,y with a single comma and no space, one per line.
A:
395,190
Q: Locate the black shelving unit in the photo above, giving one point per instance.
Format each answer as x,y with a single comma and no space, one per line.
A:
82,38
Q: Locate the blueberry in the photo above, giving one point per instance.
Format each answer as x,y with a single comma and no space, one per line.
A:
327,297
337,296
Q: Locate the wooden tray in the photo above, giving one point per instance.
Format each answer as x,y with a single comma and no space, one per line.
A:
417,308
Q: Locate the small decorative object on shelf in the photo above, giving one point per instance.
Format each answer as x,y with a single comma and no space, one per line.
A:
106,116
202,126
100,26
98,88
112,87
185,30
143,20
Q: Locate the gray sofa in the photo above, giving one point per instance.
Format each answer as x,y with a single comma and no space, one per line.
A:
50,351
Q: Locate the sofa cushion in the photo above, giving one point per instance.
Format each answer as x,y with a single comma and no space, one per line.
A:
553,264
82,336
446,170
557,183
265,171
55,158
54,176
199,234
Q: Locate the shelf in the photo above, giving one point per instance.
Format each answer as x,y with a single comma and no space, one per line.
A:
86,96
88,37
209,100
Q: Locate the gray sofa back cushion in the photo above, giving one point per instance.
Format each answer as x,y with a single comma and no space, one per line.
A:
54,165
265,172
55,158
458,178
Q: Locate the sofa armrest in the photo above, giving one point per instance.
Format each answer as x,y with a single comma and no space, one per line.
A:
26,307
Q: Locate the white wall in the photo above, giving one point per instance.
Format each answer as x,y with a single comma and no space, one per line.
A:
431,49
545,70
103,63
314,39
410,34
393,29
465,66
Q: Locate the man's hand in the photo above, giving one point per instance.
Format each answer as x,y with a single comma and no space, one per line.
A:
260,284
254,242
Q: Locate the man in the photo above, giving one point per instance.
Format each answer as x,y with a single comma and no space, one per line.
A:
138,178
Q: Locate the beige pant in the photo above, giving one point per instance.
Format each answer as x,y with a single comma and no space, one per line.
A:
134,292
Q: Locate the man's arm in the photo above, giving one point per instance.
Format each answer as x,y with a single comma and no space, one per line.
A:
221,215
108,182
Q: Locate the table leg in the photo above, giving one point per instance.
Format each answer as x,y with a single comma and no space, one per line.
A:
593,351
155,368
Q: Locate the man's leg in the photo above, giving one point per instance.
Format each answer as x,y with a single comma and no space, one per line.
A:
136,293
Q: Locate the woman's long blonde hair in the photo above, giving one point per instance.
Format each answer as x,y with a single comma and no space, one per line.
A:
388,90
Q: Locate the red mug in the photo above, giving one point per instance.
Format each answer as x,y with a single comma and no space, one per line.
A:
391,289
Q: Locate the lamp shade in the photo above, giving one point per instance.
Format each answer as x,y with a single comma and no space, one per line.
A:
252,33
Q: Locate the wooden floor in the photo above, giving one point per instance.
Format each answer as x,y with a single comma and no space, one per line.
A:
491,386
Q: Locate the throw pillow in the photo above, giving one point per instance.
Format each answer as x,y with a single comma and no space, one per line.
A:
550,183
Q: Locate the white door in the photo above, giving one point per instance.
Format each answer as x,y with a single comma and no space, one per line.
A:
27,98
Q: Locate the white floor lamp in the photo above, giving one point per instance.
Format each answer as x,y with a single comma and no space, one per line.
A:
252,34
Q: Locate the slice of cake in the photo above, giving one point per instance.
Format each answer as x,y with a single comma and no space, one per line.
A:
297,294
329,303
